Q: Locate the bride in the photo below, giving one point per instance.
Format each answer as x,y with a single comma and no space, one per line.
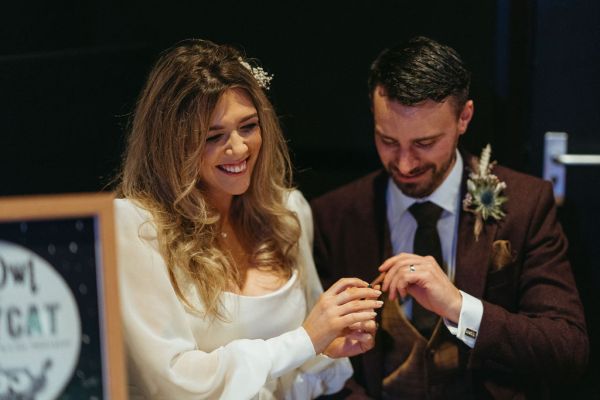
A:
219,294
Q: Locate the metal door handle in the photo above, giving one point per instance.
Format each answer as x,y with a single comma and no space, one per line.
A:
556,160
577,159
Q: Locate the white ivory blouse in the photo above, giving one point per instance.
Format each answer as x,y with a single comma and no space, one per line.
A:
260,352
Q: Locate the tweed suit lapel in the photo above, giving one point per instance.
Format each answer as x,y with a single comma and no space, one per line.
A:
383,230
472,256
375,210
373,222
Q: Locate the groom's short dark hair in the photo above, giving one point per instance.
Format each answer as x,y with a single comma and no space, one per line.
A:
418,70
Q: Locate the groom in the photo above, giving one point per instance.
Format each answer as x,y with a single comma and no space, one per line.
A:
481,301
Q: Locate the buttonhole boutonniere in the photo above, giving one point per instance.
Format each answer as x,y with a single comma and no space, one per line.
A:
484,197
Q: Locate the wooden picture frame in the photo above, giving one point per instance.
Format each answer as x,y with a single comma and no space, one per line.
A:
72,234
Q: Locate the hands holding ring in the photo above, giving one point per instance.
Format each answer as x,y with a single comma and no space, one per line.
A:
342,323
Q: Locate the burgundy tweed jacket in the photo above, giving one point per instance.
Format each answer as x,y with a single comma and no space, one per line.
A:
532,333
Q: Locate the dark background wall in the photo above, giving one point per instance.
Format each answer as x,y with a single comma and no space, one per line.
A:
70,72
564,67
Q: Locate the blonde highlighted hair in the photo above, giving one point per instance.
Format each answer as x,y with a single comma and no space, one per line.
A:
161,171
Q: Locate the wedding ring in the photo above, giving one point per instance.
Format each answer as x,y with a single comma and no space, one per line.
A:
411,268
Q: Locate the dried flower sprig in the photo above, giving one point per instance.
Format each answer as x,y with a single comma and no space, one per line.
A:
484,196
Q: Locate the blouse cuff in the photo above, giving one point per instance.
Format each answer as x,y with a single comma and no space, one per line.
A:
289,351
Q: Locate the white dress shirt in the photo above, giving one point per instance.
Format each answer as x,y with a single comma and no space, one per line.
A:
402,233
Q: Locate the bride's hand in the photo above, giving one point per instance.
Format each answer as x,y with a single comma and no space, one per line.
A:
347,302
354,340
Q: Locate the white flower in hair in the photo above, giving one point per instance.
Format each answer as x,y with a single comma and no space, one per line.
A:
262,77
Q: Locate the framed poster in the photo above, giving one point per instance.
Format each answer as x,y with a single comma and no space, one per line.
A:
60,328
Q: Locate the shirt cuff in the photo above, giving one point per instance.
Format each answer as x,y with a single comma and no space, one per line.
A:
469,320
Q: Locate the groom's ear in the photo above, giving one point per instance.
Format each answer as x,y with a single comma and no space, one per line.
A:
465,116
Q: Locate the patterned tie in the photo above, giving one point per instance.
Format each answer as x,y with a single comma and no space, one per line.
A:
427,243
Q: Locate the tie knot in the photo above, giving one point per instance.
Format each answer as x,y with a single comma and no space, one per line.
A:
426,214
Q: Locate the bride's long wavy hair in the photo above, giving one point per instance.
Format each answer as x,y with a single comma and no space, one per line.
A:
161,170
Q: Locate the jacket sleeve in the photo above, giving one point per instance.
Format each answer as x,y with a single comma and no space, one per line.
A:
545,335
163,358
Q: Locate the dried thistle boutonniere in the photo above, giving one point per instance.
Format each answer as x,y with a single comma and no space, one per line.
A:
484,192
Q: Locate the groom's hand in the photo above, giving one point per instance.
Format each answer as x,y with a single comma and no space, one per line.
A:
425,281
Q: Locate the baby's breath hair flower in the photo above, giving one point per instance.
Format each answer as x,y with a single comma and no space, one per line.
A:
262,77
484,192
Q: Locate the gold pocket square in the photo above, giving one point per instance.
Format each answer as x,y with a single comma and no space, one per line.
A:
502,254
